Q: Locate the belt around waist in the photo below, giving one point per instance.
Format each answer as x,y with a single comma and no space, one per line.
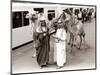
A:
59,40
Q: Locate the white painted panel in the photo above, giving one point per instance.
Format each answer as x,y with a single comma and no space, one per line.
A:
21,35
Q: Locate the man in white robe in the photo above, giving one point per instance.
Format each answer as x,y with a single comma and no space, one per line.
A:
60,47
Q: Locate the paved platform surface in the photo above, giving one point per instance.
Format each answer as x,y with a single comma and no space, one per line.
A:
22,61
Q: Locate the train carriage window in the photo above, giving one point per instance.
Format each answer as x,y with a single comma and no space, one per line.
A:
71,9
76,11
25,20
40,10
17,19
51,14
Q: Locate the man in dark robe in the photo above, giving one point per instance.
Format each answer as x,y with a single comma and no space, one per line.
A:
44,40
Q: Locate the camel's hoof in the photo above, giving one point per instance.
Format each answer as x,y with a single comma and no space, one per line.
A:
71,51
41,67
69,43
58,67
79,48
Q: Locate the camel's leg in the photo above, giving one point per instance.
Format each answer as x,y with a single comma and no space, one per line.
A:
84,38
70,40
80,42
72,43
71,47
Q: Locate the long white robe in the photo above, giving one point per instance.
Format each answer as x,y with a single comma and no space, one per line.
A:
60,47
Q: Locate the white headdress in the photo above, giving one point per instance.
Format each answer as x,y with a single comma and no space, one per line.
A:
42,18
